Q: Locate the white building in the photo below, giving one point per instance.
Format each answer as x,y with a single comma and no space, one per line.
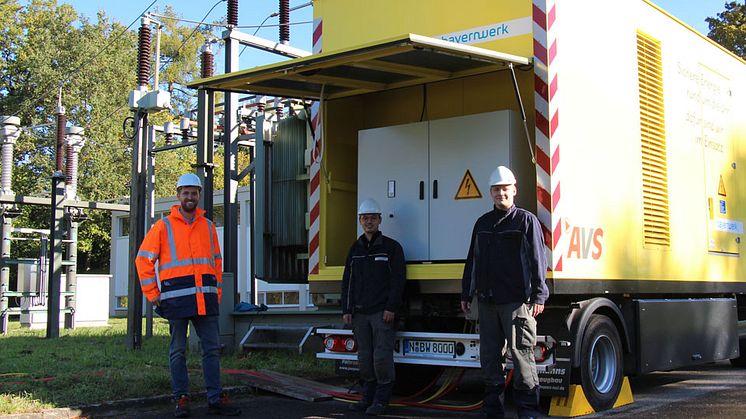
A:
286,296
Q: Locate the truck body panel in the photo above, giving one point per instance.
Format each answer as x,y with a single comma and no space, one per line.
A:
603,224
620,122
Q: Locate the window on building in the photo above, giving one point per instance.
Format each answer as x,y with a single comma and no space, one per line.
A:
273,298
218,215
290,297
121,302
279,298
124,226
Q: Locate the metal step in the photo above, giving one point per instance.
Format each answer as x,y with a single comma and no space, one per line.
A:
277,336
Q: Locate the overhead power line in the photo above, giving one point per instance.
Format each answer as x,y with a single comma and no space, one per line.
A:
75,72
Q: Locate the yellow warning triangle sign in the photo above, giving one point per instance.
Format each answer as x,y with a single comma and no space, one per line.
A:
468,188
721,187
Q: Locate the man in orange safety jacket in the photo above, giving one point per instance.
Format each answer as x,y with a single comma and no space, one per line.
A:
184,250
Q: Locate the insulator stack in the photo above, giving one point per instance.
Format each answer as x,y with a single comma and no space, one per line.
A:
6,175
232,13
74,140
71,169
143,55
60,144
284,21
207,68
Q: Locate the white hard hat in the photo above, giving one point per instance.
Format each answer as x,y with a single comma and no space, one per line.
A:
502,176
189,179
369,206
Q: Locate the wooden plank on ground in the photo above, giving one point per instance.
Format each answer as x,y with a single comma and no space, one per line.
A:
299,388
302,382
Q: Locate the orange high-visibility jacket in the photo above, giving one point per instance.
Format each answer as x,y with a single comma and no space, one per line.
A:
190,268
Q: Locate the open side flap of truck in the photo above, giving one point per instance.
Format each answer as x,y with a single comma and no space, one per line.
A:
399,62
403,61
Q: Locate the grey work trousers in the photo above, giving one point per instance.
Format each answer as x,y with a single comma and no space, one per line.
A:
512,322
375,347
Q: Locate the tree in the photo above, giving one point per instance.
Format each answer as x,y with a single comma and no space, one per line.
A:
44,46
729,28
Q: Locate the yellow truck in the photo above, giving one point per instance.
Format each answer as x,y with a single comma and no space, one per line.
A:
621,123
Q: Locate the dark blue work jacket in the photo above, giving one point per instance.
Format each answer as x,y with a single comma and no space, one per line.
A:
506,262
374,276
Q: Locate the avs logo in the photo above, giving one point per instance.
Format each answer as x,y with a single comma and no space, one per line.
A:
585,242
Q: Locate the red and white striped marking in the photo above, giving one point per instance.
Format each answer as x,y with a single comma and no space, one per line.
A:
314,193
317,29
548,133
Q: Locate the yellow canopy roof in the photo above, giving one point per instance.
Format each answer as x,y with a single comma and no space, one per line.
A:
390,64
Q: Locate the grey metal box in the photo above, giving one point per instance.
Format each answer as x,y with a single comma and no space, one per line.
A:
415,171
675,333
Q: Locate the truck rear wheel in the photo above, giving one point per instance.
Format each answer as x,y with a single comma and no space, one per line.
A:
740,362
601,363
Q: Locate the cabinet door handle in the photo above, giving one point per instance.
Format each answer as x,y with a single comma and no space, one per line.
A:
422,190
435,189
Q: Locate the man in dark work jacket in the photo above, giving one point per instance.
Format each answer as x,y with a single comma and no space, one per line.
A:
505,270
372,287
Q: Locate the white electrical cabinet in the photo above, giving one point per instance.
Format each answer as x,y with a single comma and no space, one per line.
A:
430,178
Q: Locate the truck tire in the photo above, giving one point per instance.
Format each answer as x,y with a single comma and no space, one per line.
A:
740,362
601,367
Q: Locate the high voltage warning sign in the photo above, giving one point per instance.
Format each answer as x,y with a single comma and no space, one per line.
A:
468,189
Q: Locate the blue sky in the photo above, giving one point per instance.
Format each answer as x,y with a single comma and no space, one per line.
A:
253,12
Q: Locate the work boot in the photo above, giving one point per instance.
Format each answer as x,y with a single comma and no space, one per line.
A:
368,391
383,393
527,402
182,407
223,407
380,400
492,405
375,409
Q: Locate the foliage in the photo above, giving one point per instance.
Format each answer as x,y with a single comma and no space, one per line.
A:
44,46
92,365
729,28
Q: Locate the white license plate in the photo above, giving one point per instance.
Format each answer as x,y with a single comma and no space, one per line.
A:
429,348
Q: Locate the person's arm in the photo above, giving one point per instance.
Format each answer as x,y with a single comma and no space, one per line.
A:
467,276
218,258
398,279
346,277
145,261
539,290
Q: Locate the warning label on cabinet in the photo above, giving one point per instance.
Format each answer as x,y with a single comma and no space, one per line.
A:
468,188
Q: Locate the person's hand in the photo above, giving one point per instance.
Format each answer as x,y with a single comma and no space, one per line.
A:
536,309
157,301
347,318
465,307
388,316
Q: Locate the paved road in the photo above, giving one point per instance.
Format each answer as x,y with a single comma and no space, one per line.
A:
710,391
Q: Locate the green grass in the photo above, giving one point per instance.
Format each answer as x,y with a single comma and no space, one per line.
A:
93,365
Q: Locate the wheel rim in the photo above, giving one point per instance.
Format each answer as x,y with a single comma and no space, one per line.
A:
603,364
